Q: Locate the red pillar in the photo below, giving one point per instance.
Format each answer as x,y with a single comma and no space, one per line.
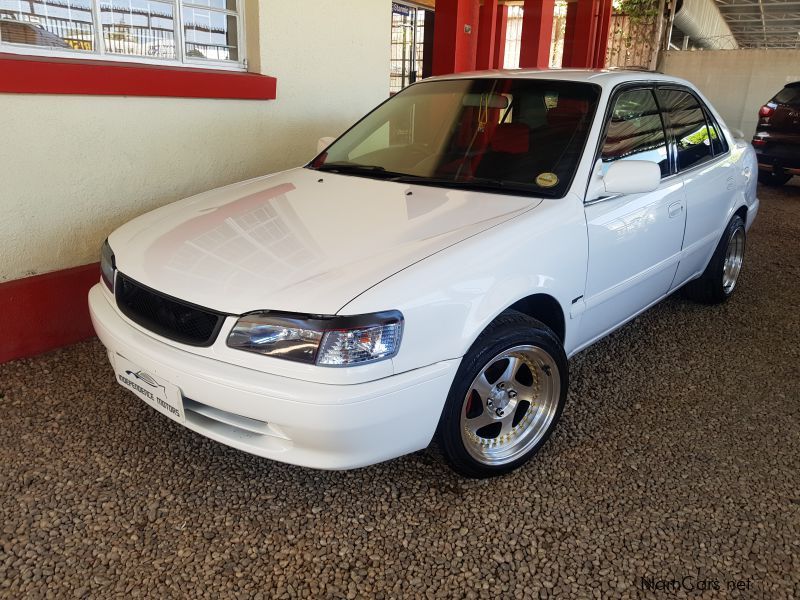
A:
603,25
569,33
500,30
486,34
455,36
537,34
583,40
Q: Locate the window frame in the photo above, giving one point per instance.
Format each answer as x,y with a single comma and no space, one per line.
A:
618,90
634,87
713,122
672,147
180,61
706,114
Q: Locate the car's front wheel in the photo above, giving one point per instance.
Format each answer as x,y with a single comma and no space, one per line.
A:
507,397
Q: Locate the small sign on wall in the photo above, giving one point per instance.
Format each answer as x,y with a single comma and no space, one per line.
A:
402,9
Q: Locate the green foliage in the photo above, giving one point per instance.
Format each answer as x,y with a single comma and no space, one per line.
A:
640,10
698,137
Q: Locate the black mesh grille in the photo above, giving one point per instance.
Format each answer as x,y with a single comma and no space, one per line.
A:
167,316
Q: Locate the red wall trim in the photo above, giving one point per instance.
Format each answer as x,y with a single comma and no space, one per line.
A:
38,75
44,312
455,37
486,31
500,31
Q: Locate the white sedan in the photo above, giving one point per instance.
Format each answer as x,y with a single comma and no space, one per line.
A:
431,271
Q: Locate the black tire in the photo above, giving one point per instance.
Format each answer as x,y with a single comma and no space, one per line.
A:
511,331
710,287
773,179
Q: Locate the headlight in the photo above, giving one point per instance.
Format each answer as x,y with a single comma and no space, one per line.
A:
107,265
325,341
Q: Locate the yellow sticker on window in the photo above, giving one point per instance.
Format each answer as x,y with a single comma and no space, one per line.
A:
547,180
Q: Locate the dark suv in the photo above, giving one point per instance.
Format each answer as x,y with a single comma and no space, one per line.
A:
777,138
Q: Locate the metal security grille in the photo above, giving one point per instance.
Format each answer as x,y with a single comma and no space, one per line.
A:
513,37
762,23
167,316
408,33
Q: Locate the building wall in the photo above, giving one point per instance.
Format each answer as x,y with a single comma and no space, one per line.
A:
73,168
737,82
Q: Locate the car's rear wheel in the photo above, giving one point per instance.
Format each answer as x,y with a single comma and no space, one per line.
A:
772,178
506,398
718,281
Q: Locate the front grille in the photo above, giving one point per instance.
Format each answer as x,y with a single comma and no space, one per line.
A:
165,315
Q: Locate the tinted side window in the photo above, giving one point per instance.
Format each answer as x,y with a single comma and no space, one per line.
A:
718,142
789,95
688,125
635,131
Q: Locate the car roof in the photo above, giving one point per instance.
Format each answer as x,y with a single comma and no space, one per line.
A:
603,77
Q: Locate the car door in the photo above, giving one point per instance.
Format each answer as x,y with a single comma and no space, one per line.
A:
708,173
634,239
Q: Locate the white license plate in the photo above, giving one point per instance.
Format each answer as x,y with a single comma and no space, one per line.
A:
161,395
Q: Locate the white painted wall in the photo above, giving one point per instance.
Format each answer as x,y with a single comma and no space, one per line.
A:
737,82
73,168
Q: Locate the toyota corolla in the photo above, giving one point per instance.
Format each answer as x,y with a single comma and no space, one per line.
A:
431,271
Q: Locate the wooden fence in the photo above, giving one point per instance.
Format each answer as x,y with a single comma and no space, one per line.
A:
630,43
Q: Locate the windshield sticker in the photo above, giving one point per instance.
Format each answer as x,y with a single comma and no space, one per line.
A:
547,180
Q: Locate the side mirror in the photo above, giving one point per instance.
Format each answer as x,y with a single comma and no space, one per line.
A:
323,143
632,177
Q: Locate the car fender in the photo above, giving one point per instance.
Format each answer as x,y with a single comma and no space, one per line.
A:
746,165
448,299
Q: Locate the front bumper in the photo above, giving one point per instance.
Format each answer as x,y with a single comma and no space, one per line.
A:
317,425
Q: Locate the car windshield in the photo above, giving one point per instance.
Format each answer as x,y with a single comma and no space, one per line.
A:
520,136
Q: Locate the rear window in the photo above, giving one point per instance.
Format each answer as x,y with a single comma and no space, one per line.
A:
688,123
718,142
788,95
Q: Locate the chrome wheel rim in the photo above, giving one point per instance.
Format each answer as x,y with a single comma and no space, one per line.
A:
510,405
734,256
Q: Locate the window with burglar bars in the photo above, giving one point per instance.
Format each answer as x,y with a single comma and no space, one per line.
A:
408,34
186,31
514,35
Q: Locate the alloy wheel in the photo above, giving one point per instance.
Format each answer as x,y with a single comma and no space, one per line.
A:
734,256
510,405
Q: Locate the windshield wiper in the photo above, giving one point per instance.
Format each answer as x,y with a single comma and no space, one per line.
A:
347,168
480,183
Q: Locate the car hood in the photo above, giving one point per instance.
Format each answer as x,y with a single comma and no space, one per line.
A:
299,241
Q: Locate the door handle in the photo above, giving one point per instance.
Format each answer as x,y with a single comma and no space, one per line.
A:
675,209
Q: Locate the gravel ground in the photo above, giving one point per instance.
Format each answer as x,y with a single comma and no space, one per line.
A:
677,457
